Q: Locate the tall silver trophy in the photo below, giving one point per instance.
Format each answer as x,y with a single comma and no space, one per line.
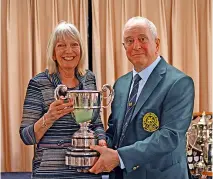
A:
87,105
199,139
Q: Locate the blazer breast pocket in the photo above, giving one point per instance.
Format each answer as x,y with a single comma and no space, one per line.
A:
149,119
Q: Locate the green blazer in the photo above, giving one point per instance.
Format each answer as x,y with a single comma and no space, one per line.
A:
154,145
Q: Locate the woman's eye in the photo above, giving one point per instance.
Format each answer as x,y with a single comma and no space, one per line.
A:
61,45
75,44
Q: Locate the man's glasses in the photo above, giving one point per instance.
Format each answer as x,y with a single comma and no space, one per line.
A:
130,40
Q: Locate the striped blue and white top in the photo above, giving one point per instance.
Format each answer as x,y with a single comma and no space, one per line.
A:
49,159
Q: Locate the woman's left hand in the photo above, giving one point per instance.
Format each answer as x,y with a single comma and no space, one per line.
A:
59,108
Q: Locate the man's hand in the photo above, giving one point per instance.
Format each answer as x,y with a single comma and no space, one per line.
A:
107,161
102,143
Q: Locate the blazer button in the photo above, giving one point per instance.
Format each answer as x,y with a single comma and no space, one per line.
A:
116,147
134,168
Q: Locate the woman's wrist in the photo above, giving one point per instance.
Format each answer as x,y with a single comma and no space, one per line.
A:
46,121
44,124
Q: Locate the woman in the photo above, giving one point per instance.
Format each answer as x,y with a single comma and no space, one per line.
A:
47,122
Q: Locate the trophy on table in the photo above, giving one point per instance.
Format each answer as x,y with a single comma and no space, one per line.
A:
199,139
87,105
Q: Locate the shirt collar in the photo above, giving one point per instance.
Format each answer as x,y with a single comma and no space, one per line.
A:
145,73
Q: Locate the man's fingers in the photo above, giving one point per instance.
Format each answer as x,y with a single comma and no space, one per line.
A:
96,168
102,143
97,148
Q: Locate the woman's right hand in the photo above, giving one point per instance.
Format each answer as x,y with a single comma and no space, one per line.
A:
58,109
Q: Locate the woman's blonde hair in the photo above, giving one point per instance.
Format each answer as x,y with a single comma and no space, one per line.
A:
63,30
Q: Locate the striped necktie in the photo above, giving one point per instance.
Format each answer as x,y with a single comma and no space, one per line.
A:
130,105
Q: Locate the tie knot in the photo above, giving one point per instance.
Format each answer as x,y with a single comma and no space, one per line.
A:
137,78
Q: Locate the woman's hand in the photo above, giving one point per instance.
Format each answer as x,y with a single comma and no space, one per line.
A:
56,110
59,108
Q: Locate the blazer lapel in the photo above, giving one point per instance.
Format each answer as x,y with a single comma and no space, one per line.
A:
125,87
150,85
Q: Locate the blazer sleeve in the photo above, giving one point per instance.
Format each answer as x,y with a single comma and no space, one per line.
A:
32,111
175,119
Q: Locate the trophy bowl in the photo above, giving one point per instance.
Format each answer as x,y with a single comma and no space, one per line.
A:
87,106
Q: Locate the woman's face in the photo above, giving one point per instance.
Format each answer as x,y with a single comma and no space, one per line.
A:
67,53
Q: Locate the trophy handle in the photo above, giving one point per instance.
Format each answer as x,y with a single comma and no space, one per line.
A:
60,91
111,94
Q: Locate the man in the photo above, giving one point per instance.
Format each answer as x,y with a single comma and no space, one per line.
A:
151,112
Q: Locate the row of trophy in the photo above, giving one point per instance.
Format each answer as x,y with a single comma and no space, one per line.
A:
199,140
87,105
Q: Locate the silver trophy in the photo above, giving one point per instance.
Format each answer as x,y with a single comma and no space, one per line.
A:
87,105
199,139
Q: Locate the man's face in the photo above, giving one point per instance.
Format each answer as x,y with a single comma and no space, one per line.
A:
140,45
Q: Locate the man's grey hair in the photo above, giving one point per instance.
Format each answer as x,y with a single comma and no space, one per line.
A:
149,23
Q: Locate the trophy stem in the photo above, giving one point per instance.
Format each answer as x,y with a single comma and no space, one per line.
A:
79,155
